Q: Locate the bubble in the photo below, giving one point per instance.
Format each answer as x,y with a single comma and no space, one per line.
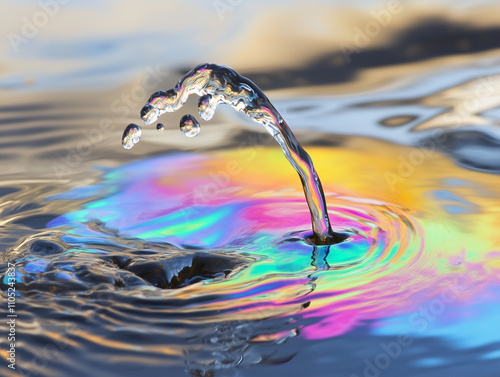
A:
206,106
150,114
131,135
160,127
189,126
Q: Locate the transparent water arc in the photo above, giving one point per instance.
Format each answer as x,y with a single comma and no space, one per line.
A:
217,84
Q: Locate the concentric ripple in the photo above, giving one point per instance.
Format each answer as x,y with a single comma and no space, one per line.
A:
157,211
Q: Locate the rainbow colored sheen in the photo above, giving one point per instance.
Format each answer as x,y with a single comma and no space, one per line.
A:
428,241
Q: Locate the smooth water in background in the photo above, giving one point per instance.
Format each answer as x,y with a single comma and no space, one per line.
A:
192,256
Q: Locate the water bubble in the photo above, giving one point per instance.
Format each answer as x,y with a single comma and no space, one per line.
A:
206,106
150,114
131,135
160,127
189,126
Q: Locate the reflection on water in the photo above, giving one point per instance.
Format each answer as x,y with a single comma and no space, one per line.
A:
421,257
192,257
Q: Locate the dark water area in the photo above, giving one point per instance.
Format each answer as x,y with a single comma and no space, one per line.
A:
192,256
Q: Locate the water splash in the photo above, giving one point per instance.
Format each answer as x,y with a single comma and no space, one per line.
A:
131,135
160,127
397,261
218,84
415,248
206,107
189,126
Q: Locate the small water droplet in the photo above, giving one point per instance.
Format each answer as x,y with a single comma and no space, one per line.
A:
220,84
131,135
150,114
206,107
189,126
158,94
160,127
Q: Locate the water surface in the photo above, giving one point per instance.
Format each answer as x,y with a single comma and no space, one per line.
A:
191,256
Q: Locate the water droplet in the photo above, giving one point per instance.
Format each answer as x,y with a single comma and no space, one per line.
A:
160,127
189,126
131,135
158,94
150,114
218,84
206,106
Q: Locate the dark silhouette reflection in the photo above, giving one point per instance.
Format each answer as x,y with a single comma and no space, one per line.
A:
421,41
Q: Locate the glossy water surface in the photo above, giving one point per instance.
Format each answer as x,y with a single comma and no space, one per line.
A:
216,84
192,256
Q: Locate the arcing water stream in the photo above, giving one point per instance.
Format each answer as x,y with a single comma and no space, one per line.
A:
203,261
218,84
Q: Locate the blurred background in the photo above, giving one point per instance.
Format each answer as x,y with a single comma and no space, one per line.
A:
76,64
